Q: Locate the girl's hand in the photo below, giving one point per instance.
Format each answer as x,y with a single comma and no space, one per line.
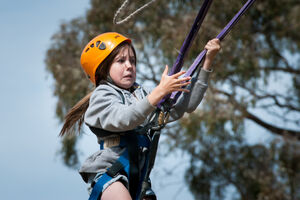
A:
213,47
167,85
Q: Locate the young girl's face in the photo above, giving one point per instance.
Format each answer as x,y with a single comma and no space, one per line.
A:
122,70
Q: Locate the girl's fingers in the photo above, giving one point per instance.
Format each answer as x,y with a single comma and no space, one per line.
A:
212,46
178,74
187,83
187,78
183,79
183,90
215,40
166,70
180,85
183,84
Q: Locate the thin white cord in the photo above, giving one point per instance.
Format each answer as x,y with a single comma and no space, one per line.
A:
132,14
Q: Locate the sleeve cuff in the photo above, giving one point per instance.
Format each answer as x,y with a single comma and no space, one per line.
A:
146,106
204,75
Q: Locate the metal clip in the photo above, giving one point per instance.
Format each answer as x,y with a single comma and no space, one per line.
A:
163,118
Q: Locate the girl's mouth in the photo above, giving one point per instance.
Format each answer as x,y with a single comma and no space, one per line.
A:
128,76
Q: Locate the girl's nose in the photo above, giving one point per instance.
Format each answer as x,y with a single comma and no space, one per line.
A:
128,64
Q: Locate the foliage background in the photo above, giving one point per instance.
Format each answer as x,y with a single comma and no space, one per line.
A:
256,79
263,82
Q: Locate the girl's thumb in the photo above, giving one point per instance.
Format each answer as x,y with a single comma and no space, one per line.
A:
166,70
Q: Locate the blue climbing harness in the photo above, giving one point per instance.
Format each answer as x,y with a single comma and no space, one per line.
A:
122,166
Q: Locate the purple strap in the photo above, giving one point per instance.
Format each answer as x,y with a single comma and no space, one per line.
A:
190,37
187,42
221,36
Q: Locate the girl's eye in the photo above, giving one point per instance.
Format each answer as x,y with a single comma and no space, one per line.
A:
132,61
121,60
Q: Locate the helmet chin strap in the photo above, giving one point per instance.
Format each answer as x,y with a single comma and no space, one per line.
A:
109,79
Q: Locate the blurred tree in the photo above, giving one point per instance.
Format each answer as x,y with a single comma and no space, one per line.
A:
224,162
256,78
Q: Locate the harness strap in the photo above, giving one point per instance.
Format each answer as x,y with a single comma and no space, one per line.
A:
115,169
142,141
134,157
121,164
186,46
175,95
128,164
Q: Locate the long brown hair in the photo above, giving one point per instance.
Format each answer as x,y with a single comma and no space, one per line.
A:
75,116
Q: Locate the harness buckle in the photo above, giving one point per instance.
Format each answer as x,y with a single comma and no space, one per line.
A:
111,142
163,118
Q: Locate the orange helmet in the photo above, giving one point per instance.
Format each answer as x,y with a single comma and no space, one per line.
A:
97,50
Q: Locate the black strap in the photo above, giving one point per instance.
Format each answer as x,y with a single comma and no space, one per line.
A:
115,169
103,133
135,172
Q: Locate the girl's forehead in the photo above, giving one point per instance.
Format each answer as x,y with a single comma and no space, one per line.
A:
126,51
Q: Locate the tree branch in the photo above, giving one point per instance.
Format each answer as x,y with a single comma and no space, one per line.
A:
270,96
151,67
272,128
287,70
276,52
257,120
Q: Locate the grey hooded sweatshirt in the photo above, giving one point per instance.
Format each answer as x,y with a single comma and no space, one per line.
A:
117,110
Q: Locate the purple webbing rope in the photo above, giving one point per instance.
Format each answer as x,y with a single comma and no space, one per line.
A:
221,36
187,42
190,37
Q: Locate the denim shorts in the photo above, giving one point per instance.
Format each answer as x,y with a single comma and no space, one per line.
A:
122,178
96,165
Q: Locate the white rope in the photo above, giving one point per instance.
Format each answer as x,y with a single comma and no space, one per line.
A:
132,14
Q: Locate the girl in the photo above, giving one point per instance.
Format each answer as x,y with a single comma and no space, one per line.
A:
118,109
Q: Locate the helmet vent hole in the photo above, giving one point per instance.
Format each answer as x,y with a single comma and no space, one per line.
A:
92,45
97,43
87,50
102,46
